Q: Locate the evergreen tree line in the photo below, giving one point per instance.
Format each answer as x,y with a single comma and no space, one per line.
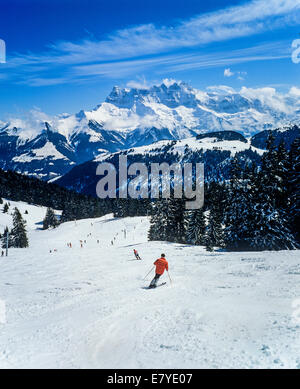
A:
18,187
256,209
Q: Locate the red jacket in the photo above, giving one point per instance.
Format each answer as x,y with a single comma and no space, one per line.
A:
161,265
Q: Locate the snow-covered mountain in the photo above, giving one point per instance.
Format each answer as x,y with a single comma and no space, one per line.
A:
48,147
214,149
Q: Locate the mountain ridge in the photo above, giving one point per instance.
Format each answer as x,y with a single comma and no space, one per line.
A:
48,147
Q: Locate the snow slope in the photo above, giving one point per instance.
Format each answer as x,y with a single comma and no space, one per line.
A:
33,219
86,307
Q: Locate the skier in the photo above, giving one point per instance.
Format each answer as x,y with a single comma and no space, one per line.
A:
136,254
161,265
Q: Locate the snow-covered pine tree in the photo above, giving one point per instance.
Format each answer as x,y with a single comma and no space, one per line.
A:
195,230
273,174
214,235
267,223
4,238
18,233
175,221
119,208
159,221
293,177
50,219
237,209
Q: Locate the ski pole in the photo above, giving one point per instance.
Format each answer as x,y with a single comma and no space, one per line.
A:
169,277
148,273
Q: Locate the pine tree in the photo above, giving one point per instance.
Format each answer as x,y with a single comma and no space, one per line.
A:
214,231
159,221
4,238
293,178
50,219
214,235
175,221
195,231
5,208
18,233
269,226
266,223
69,212
237,209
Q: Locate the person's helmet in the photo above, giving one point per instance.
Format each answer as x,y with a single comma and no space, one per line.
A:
163,255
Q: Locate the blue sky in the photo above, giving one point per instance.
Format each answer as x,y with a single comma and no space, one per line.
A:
66,55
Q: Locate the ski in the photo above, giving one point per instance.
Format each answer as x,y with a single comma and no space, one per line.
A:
157,286
163,283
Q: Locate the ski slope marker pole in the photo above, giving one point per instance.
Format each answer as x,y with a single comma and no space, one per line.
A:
149,272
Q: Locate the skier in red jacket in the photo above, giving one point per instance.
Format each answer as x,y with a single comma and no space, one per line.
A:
161,265
136,254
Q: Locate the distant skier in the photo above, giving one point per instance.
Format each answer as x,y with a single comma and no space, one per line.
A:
161,265
137,254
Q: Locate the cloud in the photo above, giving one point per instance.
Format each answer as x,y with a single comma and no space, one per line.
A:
268,96
228,73
31,123
221,90
262,52
123,49
139,83
294,92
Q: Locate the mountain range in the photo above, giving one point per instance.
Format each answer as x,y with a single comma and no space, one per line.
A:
49,147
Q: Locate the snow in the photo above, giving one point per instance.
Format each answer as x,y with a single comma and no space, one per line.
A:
48,150
86,307
209,143
173,105
33,219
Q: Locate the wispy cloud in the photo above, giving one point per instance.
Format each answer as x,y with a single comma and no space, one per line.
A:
124,50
